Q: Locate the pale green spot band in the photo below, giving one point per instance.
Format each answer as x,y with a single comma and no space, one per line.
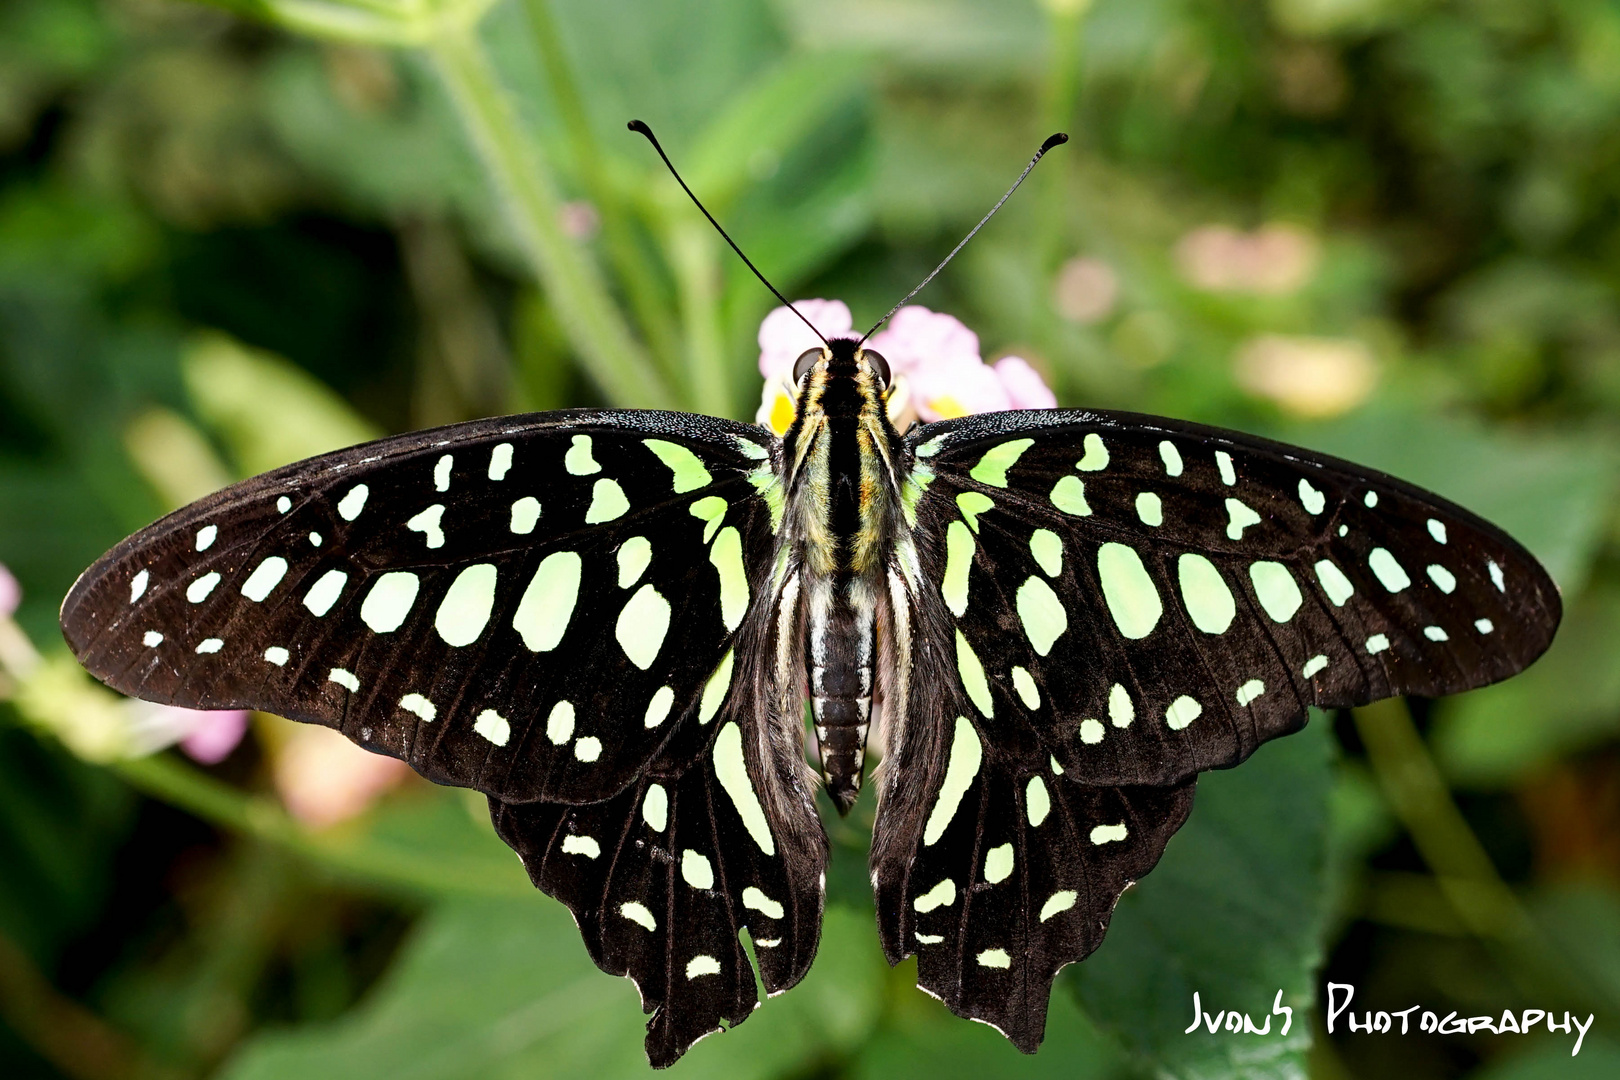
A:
714,691
688,469
732,772
972,673
958,561
1210,603
972,504
726,555
960,770
992,468
1132,599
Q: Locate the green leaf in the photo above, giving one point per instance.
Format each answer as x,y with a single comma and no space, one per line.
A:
1549,492
1599,1060
400,153
922,1039
1568,701
268,411
504,990
1235,912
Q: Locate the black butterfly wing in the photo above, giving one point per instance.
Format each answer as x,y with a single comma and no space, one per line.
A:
988,861
529,606
1101,606
1159,598
663,877
556,610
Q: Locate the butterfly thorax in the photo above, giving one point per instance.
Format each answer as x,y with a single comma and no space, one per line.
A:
842,517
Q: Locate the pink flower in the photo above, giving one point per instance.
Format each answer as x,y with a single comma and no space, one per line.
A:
783,335
214,735
934,360
1024,385
207,736
917,338
324,779
10,593
956,386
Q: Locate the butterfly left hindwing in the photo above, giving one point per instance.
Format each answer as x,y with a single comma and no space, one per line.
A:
553,610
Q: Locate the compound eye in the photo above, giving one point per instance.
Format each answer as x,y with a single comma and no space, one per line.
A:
806,361
880,366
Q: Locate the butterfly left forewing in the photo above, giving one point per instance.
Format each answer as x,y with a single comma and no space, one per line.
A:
527,606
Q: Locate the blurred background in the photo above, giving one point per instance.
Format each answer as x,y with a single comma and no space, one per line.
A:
232,236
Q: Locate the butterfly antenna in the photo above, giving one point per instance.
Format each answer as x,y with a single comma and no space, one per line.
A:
1051,140
642,128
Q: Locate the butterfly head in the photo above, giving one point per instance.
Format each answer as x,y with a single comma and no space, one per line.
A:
840,378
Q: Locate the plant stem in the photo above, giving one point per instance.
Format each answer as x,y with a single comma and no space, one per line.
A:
692,249
1420,798
1463,869
162,777
595,326
629,259
1061,86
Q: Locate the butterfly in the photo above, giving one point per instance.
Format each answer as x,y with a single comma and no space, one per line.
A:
611,623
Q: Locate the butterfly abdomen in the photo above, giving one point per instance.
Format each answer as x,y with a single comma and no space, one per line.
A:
840,629
844,516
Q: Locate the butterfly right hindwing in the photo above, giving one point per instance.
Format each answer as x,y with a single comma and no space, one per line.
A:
989,862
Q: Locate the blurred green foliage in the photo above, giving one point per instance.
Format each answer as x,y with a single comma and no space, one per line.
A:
236,235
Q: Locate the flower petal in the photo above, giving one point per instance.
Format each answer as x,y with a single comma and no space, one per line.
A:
783,335
917,337
956,387
10,592
1024,385
215,734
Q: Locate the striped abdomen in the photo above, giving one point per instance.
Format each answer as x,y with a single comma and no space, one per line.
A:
840,628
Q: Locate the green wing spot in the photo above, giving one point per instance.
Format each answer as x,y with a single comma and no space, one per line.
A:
1276,589
992,468
1047,547
764,481
1209,602
967,754
958,561
1042,614
711,510
726,555
1069,496
688,469
714,691
1095,458
911,492
972,504
732,772
607,502
1132,598
578,460
973,680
